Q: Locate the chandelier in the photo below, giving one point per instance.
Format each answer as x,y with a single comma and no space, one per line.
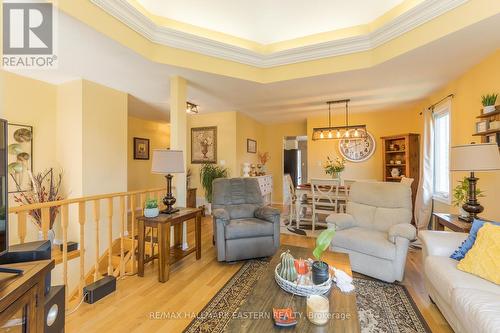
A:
346,131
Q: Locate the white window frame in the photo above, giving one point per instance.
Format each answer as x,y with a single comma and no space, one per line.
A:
443,108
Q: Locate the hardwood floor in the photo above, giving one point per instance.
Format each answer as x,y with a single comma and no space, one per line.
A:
142,304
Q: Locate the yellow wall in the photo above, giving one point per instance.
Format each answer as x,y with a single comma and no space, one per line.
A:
247,128
379,123
468,88
39,111
139,171
273,144
226,143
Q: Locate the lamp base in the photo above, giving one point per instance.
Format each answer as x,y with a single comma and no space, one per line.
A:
472,206
169,211
467,219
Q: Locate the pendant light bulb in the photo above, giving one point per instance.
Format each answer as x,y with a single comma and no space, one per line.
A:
330,135
356,133
338,134
347,133
321,135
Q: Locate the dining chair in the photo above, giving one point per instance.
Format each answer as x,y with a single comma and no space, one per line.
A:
325,195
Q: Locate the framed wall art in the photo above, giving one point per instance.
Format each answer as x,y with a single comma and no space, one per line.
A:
204,145
251,146
20,159
141,149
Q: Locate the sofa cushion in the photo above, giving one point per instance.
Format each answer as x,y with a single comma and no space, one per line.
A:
479,311
460,253
241,211
366,241
249,227
387,217
442,272
363,214
484,258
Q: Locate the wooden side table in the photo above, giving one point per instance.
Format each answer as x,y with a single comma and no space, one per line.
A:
166,255
451,221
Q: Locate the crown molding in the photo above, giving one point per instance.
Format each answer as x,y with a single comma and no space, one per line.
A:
411,19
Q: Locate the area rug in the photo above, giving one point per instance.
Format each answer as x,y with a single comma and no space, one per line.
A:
287,227
382,307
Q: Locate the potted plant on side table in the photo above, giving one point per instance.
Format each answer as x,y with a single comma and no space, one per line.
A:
320,269
151,208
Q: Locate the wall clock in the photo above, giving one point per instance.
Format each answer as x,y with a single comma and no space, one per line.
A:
357,150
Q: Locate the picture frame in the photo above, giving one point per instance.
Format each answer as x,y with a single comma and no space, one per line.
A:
481,126
20,156
251,146
204,145
141,149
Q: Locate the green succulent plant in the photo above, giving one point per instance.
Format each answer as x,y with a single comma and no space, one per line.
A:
489,99
151,204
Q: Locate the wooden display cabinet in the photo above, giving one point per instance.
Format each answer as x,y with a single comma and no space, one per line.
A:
402,152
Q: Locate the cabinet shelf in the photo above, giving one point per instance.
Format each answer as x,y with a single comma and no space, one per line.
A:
488,132
395,165
487,115
395,151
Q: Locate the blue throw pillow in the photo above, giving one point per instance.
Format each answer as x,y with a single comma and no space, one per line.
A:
467,244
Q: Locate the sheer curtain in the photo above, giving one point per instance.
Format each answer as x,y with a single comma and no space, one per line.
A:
423,201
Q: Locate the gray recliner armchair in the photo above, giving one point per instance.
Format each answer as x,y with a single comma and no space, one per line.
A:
243,227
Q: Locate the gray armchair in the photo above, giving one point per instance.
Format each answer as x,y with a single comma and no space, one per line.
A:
243,227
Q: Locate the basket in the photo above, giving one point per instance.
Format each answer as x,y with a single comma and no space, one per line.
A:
302,290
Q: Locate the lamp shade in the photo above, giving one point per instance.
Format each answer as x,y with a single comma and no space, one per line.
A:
475,157
167,161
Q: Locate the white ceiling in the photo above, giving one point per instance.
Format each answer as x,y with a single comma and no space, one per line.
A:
404,79
266,21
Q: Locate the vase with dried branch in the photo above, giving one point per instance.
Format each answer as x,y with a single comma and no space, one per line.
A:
45,187
263,159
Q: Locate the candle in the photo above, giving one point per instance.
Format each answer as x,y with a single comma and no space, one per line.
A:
318,309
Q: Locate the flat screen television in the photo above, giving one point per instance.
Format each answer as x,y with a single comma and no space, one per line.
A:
4,199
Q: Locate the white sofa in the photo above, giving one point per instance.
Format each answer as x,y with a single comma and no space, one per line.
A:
468,302
376,229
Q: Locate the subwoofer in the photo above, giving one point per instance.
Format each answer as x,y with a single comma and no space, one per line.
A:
54,310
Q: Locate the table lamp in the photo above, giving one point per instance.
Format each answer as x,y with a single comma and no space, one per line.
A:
166,162
474,158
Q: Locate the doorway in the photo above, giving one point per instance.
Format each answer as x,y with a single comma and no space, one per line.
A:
295,158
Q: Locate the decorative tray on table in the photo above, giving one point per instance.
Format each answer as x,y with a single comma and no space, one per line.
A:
303,286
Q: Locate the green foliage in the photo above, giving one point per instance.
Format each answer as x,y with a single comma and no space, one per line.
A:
489,99
323,242
460,192
151,203
208,173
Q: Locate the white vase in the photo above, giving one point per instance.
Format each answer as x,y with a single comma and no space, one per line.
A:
488,109
246,169
462,212
151,212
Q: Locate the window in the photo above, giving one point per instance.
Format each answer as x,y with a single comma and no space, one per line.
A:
442,154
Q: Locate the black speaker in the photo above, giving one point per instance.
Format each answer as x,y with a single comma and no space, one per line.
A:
32,251
54,310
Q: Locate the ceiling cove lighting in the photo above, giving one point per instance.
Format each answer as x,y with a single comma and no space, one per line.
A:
191,108
339,132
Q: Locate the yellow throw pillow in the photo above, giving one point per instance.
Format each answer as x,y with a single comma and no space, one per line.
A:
484,258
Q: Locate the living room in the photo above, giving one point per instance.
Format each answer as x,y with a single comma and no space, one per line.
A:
369,125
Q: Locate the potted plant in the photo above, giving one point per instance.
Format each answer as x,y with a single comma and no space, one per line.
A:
489,101
208,173
45,187
320,269
151,208
460,194
334,167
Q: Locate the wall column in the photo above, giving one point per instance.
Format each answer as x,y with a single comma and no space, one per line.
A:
178,138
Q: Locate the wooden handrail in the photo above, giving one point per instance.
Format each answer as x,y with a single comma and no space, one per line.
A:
125,200
58,203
